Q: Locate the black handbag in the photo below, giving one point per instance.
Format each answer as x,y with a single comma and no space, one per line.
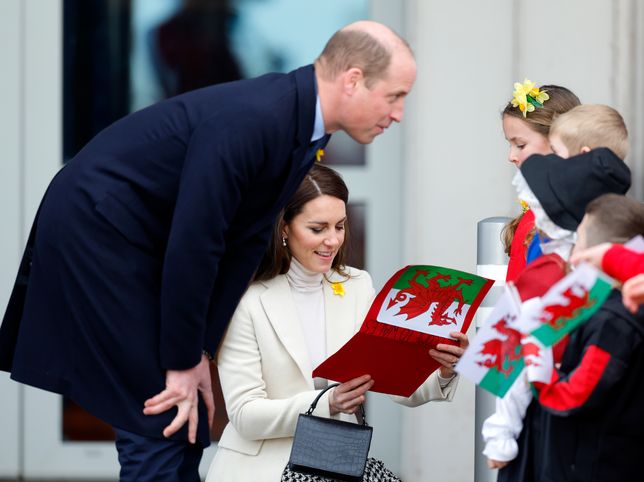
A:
326,449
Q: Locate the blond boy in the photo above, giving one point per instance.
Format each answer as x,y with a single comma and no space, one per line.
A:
588,127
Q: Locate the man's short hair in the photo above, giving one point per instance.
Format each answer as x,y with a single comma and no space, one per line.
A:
349,48
592,125
613,218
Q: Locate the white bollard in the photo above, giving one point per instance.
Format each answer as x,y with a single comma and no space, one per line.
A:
491,263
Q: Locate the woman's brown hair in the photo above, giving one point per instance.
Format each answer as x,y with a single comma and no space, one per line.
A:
320,181
539,120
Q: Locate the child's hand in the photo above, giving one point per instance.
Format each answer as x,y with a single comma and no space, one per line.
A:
592,255
633,292
496,464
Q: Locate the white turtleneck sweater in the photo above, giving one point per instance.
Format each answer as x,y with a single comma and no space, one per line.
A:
306,287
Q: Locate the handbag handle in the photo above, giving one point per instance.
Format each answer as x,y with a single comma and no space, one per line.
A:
333,385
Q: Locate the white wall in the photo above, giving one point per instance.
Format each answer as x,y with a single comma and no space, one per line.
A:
456,174
10,212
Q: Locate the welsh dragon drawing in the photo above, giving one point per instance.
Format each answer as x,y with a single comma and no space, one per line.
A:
420,298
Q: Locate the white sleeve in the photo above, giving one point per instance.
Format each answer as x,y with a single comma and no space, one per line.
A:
430,391
501,429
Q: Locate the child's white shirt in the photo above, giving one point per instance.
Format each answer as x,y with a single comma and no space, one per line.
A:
501,429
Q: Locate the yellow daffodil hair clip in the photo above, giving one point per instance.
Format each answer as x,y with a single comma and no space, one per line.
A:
338,288
527,96
524,206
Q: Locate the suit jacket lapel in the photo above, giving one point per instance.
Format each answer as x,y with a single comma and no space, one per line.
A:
306,100
280,310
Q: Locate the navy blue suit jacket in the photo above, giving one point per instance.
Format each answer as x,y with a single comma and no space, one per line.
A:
147,239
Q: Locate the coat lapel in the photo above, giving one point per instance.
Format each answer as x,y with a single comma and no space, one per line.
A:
279,307
340,314
306,100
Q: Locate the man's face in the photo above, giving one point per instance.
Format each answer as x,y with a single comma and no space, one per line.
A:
369,111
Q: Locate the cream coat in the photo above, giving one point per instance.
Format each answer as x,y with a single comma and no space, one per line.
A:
266,380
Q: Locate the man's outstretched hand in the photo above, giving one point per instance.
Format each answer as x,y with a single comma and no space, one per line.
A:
182,389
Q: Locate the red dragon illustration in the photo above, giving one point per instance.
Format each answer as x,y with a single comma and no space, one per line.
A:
420,298
556,315
502,353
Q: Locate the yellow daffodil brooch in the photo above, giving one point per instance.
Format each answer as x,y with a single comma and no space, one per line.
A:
527,96
319,154
338,288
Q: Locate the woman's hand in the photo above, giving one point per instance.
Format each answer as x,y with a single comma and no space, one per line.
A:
348,396
182,388
448,355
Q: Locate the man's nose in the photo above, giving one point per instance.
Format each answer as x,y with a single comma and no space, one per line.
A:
398,111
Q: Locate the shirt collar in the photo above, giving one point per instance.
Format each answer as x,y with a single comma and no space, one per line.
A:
318,125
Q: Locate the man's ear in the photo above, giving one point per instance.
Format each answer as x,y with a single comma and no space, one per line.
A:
351,79
584,149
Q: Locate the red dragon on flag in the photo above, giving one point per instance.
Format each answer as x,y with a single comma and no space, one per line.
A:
419,297
502,353
557,314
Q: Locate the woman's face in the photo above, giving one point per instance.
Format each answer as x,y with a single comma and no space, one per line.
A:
523,140
315,235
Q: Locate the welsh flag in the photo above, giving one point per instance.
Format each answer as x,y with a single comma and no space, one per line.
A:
566,305
429,300
499,352
416,309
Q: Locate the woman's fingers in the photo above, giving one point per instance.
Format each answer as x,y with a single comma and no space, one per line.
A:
348,396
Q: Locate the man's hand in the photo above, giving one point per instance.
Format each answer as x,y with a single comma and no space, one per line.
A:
182,388
448,355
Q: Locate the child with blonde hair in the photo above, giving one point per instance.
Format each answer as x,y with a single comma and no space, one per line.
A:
587,127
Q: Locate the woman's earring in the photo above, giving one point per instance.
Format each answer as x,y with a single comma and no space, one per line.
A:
284,241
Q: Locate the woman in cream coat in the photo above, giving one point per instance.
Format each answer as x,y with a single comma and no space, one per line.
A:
289,321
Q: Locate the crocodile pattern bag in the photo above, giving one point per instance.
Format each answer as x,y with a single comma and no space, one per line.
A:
326,449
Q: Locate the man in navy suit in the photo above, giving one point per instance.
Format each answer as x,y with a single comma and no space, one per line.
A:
146,240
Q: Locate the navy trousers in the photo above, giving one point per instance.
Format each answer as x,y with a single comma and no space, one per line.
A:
146,459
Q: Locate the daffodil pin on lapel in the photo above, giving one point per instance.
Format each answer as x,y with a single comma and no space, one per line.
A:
338,288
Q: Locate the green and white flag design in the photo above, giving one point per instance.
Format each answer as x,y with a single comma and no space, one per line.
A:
566,305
